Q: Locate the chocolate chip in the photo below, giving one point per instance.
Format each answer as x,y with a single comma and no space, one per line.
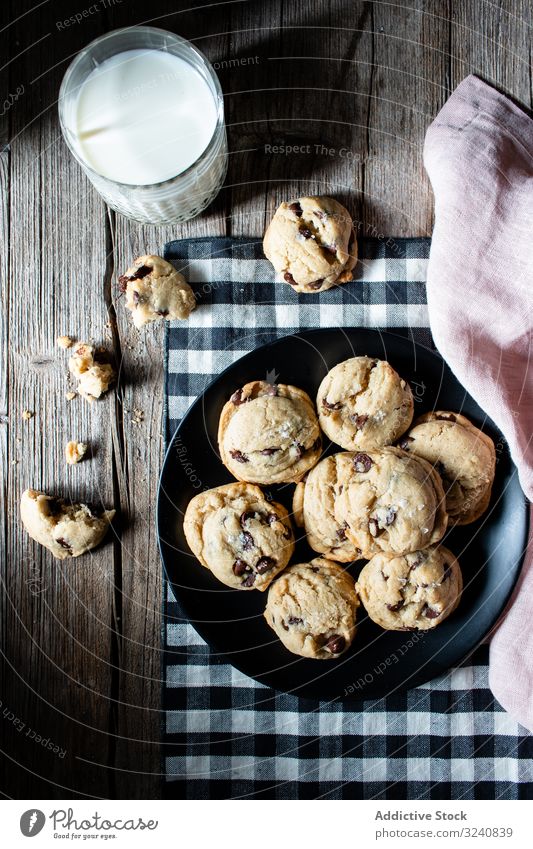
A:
138,274
246,516
300,449
246,540
64,544
163,313
240,567
319,214
306,232
358,421
136,298
264,564
395,607
237,398
430,613
271,518
294,620
341,534
330,249
296,208
249,580
267,452
336,644
362,463
316,284
447,417
289,278
373,527
390,515
239,456
405,442
271,389
338,405
54,505
315,569
384,576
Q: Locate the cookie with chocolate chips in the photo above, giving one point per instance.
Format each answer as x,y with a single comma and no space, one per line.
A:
66,529
415,591
155,290
391,502
241,537
269,433
312,608
363,403
311,243
314,509
464,457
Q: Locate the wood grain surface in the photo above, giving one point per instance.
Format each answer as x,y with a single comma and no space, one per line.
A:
352,86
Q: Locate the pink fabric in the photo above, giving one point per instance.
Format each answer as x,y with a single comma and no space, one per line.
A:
479,156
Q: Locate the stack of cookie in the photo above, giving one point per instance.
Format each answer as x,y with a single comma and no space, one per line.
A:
388,498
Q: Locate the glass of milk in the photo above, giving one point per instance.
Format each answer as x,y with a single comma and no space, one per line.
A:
142,111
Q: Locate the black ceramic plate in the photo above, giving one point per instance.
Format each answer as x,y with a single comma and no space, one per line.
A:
378,662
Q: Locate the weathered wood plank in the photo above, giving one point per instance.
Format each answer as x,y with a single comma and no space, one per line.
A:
140,442
59,614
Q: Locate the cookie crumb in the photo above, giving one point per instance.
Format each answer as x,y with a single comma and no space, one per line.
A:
94,378
27,415
64,341
75,451
70,395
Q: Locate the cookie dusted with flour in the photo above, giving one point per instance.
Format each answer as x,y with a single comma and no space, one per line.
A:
155,290
314,509
67,530
269,433
363,403
312,608
241,537
464,457
391,502
414,591
311,243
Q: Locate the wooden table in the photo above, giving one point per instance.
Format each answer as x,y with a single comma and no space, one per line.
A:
353,85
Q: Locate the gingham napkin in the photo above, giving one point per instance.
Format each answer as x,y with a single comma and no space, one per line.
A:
226,736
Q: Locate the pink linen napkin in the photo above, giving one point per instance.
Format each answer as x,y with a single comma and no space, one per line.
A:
479,156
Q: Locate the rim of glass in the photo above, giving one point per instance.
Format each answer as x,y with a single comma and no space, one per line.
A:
219,98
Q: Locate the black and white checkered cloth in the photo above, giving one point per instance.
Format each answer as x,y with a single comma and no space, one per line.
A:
227,736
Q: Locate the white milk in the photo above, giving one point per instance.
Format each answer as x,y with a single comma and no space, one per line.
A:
143,116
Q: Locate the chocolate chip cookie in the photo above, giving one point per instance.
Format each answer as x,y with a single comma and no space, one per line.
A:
414,591
241,537
363,403
311,243
464,457
67,530
155,290
269,433
314,509
391,501
312,608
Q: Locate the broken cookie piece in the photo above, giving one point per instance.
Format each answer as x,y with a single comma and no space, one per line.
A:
94,378
67,530
154,290
64,341
75,451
